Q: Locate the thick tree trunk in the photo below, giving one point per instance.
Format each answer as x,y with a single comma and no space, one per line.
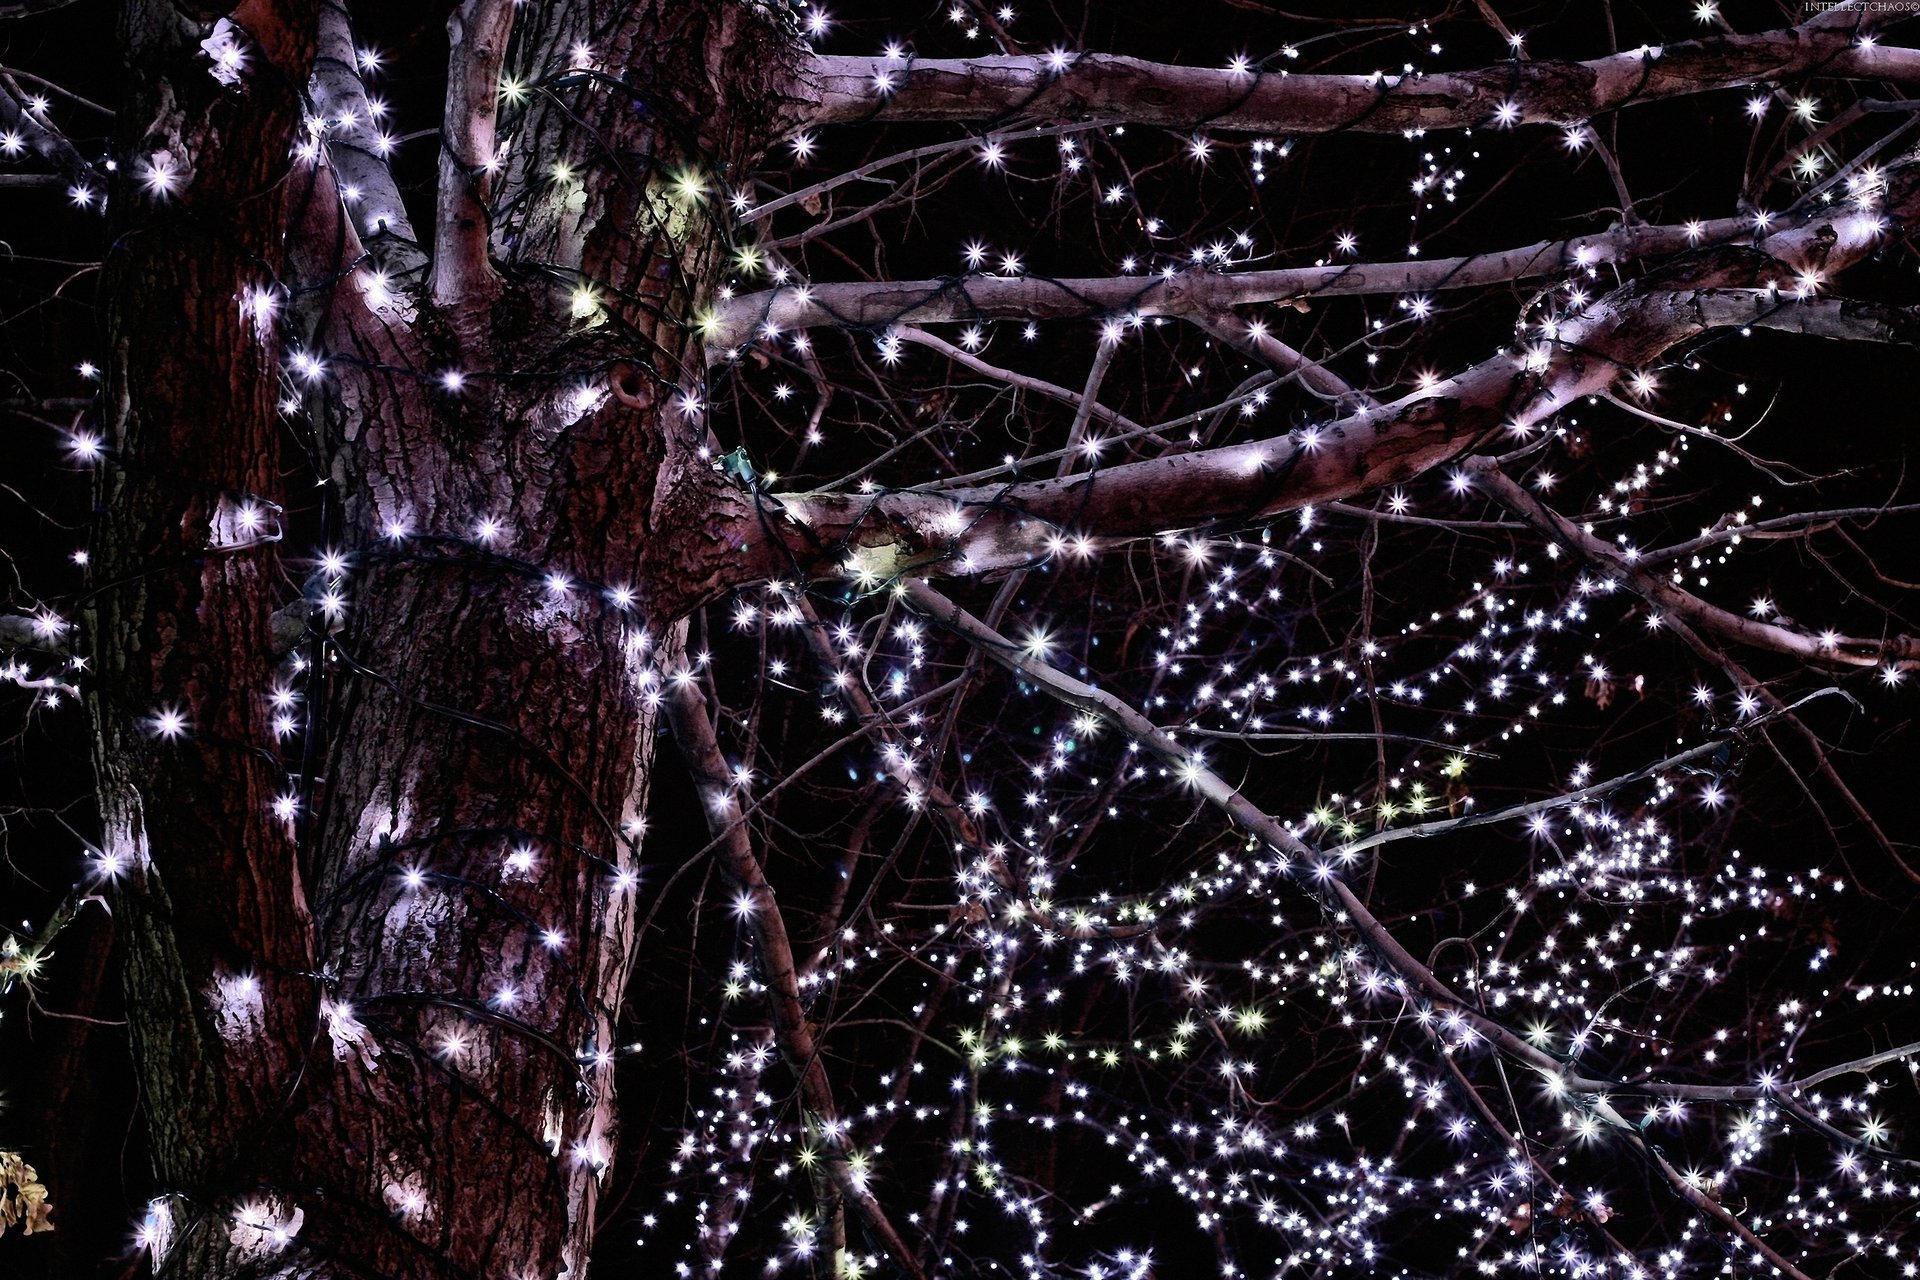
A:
375,1028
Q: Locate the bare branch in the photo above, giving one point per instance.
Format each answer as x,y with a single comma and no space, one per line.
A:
976,530
793,1031
41,633
17,117
1828,650
1024,382
1223,795
1256,341
15,75
843,89
958,820
30,8
1842,319
1446,826
1191,294
478,30
357,152
867,170
1797,525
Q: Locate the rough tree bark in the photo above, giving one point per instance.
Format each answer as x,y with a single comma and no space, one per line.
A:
384,1047
222,1011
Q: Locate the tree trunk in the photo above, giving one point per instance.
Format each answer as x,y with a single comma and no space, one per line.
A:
376,962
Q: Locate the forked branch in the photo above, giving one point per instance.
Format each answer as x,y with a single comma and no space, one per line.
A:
968,530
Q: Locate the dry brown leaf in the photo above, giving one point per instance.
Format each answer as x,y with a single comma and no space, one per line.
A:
23,1197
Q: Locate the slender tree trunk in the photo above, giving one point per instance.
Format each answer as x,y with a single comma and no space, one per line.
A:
376,964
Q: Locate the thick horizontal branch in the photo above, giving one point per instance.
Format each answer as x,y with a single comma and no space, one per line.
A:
1191,294
877,537
1223,795
41,633
842,89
